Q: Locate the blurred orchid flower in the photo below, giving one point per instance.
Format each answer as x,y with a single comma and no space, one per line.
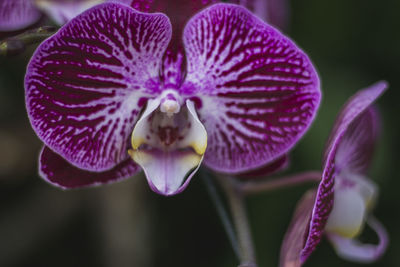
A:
275,12
115,84
345,197
19,14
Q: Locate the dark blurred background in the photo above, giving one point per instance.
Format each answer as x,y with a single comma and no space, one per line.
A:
352,43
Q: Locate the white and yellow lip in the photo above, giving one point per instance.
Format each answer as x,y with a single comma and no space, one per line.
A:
353,199
168,169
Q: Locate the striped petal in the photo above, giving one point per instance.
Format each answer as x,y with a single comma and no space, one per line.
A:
58,172
17,14
294,238
86,84
259,92
350,113
358,143
62,11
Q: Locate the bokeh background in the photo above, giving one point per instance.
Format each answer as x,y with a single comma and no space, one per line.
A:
352,43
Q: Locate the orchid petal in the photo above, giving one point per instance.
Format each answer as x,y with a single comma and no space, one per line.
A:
168,170
358,143
58,172
259,92
294,238
85,85
274,12
356,105
17,14
354,250
277,165
351,111
179,12
62,11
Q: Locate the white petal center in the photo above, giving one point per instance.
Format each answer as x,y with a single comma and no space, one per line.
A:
354,196
169,143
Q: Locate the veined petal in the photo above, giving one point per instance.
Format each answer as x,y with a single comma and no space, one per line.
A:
17,14
85,85
358,143
351,111
295,236
179,12
62,11
354,250
169,165
356,105
259,92
58,172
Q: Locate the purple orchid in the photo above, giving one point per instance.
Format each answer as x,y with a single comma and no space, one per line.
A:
19,14
115,90
345,197
274,12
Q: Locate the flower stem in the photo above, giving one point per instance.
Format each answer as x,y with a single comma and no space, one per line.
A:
240,218
17,44
253,187
223,214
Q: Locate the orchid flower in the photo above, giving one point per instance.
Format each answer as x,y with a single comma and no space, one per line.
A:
19,14
274,12
115,91
345,197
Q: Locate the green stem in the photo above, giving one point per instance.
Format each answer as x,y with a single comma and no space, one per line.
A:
17,44
253,187
240,218
223,214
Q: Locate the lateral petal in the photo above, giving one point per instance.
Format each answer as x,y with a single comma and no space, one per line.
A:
60,173
85,85
259,92
358,143
295,235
